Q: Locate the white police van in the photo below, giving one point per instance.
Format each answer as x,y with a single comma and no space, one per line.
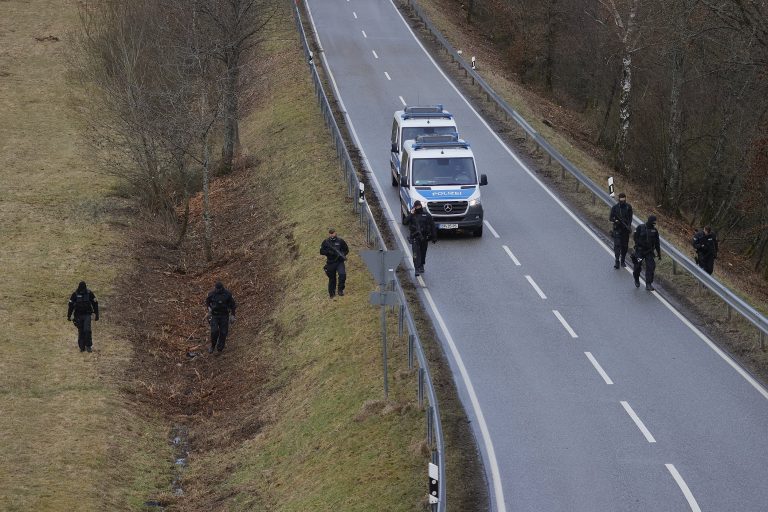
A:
440,171
412,122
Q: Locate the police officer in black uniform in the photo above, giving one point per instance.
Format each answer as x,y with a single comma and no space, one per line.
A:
705,243
621,218
220,305
646,242
422,229
335,250
83,304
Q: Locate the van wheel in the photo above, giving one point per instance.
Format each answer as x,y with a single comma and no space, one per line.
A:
394,180
478,232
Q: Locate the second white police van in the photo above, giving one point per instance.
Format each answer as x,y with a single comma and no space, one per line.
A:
440,171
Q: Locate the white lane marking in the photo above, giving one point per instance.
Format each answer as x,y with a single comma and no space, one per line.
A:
395,225
421,281
565,324
490,228
683,487
638,422
509,252
536,287
494,465
363,31
759,387
387,75
354,13
402,101
375,55
599,368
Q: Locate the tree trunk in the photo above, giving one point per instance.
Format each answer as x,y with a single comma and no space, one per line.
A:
208,231
673,175
230,113
551,37
184,220
470,9
625,95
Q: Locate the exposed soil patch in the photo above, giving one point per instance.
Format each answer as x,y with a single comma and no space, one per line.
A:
215,398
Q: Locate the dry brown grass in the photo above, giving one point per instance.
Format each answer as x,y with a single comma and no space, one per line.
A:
63,431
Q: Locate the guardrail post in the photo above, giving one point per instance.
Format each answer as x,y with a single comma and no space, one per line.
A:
411,340
674,267
728,312
401,320
762,340
430,422
421,388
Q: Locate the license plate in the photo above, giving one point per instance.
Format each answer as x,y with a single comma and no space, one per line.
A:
448,226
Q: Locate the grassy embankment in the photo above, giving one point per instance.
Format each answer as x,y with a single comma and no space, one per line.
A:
68,440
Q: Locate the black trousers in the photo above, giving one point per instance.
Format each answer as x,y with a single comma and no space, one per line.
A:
84,333
620,245
419,250
650,269
219,331
707,263
331,270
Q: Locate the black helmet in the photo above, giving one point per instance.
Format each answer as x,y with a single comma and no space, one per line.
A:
651,219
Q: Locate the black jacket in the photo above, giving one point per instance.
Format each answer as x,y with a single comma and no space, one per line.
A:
421,226
621,217
220,302
706,244
334,249
83,302
647,240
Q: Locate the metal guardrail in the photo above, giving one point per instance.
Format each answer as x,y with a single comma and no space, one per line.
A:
375,239
732,301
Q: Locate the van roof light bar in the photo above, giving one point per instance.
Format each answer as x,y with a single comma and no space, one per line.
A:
426,112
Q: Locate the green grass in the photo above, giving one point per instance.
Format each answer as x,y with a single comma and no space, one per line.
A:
62,421
318,452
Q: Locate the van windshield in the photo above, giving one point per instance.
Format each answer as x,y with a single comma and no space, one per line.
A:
411,133
443,171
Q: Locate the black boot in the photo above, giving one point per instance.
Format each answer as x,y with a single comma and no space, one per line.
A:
649,287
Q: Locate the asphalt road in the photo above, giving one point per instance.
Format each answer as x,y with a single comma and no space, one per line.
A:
585,393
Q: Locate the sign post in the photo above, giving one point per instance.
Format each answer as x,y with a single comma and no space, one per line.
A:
382,265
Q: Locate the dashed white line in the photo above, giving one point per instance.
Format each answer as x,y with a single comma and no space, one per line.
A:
684,487
354,14
599,368
375,55
490,228
536,287
638,422
363,31
387,75
402,101
565,324
509,252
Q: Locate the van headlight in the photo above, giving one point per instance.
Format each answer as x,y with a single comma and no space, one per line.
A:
474,202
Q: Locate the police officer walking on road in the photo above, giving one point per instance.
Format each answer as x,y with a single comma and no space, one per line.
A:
621,217
335,251
646,242
83,304
422,230
705,243
220,305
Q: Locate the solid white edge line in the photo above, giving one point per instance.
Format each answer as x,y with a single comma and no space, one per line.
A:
509,252
647,433
402,101
375,55
683,487
759,387
364,34
565,324
491,453
599,368
490,228
536,287
388,78
366,163
421,281
354,14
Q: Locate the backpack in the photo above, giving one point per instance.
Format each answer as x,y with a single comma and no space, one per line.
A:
83,302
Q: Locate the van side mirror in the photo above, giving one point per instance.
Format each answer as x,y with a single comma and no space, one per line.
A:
395,149
403,181
483,180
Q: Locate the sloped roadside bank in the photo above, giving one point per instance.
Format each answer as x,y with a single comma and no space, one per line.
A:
289,416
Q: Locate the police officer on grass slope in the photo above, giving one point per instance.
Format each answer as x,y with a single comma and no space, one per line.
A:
621,218
646,242
705,243
83,304
422,230
220,305
335,250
